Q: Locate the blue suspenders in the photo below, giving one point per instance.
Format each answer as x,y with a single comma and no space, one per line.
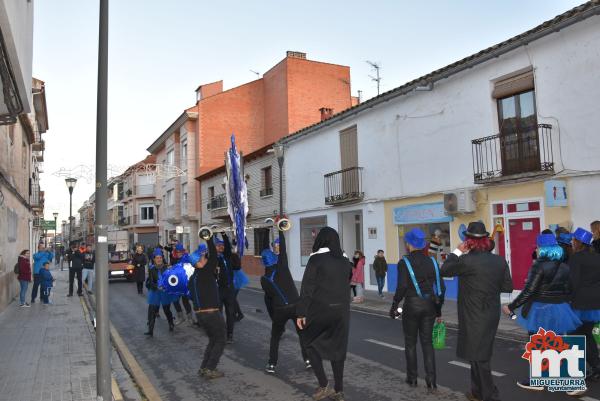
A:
437,288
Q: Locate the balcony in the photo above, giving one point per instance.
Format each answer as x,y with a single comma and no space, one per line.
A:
143,222
266,192
512,156
38,146
124,221
344,186
218,206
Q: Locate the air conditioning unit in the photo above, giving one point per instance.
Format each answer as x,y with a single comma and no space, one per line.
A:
461,201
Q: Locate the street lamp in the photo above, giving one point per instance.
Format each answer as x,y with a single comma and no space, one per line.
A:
278,149
157,203
70,184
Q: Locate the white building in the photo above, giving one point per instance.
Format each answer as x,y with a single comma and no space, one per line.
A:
507,136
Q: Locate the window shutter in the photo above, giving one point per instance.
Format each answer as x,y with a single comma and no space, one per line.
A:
348,148
513,85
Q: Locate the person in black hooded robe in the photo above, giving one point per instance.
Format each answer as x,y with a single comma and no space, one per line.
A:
324,311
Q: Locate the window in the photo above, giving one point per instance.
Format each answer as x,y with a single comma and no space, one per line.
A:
147,213
184,198
266,182
261,239
24,156
211,192
309,228
171,157
184,155
170,198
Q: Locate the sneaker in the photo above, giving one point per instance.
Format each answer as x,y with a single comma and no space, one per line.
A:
270,368
308,364
322,393
202,371
339,396
524,384
25,305
213,374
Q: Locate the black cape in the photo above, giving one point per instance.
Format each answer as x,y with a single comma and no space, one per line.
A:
325,298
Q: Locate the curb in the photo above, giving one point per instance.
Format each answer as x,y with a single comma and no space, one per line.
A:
115,390
145,387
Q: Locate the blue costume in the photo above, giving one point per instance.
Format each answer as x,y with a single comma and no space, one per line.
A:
156,295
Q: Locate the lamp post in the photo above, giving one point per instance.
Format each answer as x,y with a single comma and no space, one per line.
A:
279,151
70,184
157,203
64,227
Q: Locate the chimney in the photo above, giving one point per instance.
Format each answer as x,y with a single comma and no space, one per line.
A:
326,113
294,54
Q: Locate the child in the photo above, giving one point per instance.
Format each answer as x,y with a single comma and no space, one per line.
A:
46,281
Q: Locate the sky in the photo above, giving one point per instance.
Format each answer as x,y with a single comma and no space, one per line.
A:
160,51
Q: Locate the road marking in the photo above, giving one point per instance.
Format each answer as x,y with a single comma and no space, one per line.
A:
370,340
467,366
588,399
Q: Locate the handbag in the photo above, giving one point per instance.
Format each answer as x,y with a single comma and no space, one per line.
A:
439,336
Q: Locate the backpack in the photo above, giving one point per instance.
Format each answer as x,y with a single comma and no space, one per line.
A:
16,269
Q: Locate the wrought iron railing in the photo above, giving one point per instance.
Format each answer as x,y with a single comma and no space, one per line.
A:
217,202
504,155
344,186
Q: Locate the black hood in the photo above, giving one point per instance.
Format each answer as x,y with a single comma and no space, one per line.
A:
328,238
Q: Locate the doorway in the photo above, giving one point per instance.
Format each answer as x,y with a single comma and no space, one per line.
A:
523,233
350,230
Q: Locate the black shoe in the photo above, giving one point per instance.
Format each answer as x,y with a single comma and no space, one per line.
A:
79,294
270,368
239,317
411,383
148,333
229,339
69,295
431,387
171,326
32,301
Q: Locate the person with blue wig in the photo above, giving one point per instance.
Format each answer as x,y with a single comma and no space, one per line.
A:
281,298
544,301
180,255
585,276
156,296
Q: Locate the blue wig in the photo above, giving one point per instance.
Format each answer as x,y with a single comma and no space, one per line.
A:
554,252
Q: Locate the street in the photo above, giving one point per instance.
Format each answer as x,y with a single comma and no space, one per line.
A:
374,368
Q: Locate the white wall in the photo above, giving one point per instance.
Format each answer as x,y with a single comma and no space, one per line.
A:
585,207
16,20
421,143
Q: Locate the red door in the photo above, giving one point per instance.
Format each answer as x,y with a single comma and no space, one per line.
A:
523,234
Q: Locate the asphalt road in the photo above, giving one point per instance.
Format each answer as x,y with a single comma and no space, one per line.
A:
374,368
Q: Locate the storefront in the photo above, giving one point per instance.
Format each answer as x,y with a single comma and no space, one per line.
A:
435,223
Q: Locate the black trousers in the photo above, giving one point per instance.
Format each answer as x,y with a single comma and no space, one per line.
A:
280,317
186,305
337,367
36,285
237,310
214,325
228,302
591,348
417,321
482,384
140,287
72,274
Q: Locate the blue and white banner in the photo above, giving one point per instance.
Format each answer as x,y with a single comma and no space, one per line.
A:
237,195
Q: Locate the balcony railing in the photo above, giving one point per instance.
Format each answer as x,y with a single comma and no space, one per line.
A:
266,192
217,202
344,186
124,221
505,156
144,222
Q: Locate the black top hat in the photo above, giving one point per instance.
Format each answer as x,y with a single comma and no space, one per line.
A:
476,229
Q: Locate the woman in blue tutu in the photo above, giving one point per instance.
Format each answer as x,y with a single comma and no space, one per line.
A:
156,295
585,276
545,298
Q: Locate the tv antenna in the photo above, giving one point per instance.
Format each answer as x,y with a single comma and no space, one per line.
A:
375,78
255,72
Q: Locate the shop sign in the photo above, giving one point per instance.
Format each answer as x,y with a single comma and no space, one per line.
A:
422,213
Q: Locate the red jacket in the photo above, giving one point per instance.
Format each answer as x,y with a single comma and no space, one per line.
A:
24,269
358,273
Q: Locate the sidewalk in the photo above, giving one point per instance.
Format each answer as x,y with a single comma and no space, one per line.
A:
381,306
47,351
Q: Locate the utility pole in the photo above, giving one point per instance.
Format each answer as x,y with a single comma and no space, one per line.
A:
376,78
103,375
